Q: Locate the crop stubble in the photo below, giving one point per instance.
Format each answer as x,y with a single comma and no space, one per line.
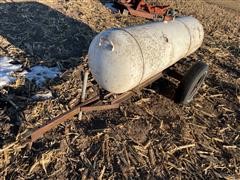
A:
149,136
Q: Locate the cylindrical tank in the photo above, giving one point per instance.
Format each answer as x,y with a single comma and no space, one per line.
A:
121,59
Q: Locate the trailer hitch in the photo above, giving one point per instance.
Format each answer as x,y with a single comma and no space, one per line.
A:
93,104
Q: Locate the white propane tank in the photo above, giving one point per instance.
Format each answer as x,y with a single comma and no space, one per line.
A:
121,59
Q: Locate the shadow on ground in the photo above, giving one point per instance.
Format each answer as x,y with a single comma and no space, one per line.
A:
47,37
43,32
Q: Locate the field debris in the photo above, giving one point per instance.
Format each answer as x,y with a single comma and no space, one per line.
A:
150,137
42,95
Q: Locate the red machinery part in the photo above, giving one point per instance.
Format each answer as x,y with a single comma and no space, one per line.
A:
142,9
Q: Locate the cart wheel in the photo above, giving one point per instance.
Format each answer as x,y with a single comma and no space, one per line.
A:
191,83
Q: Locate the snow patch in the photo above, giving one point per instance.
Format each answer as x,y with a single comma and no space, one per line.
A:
111,7
6,71
39,74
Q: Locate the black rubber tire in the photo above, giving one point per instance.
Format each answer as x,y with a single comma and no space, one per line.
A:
191,83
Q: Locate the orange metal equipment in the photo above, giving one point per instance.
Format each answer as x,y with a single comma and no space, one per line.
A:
142,9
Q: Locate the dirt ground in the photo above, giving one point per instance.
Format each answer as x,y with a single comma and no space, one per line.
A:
227,4
149,137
